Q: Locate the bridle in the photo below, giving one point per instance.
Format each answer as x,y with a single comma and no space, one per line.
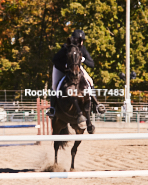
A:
73,63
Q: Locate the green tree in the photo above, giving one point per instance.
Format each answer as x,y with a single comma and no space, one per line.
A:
104,22
31,32
35,31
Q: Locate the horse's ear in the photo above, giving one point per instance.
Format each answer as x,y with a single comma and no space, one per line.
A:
68,41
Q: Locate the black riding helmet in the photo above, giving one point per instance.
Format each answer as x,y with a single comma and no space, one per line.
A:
78,34
77,37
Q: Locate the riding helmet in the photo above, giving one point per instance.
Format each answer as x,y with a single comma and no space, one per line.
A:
78,34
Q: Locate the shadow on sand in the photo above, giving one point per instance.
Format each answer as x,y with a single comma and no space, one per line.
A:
8,170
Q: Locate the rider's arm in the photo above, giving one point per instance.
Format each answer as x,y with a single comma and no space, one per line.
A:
88,60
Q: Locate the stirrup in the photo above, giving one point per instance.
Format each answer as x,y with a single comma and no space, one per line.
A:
100,109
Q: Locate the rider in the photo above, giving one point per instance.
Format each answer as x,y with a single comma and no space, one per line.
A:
59,67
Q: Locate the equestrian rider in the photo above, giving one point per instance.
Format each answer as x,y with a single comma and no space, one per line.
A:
59,67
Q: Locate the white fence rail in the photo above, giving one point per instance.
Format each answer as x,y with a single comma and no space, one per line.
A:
88,174
74,137
28,116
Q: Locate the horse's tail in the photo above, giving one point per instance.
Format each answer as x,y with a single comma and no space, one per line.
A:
64,131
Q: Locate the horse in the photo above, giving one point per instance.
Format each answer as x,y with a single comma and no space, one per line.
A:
73,108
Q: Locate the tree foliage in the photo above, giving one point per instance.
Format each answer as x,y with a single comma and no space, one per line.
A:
31,32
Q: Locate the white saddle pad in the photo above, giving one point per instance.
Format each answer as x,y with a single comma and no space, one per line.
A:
59,85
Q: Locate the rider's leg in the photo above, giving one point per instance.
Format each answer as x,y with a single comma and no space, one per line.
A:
56,76
87,76
53,99
94,99
90,127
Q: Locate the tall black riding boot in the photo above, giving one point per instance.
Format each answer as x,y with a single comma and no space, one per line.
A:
51,112
97,107
95,102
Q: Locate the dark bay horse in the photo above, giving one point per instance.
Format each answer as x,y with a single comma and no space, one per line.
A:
74,108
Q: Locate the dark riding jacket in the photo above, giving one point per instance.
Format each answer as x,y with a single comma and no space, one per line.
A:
60,58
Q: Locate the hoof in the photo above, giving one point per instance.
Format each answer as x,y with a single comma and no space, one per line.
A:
72,170
91,129
81,118
82,125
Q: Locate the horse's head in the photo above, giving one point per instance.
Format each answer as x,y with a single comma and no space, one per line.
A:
74,57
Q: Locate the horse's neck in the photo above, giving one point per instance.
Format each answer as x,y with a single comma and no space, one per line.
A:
73,81
83,83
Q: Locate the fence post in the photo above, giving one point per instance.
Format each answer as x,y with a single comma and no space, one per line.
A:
38,115
21,96
47,121
42,104
138,126
5,96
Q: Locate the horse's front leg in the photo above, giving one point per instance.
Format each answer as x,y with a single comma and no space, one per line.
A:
56,130
87,109
80,118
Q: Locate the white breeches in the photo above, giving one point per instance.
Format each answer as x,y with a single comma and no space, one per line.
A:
56,76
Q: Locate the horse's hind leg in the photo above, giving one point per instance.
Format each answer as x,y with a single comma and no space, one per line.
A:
59,126
73,152
56,148
76,144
